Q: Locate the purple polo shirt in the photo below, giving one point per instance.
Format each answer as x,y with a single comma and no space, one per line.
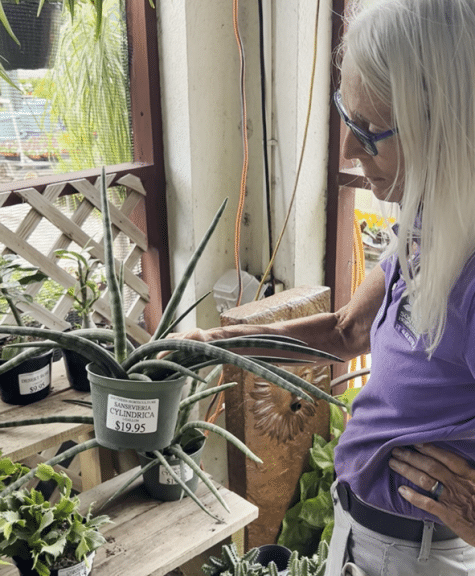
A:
410,399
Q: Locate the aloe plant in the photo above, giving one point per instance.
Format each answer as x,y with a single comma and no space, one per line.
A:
186,357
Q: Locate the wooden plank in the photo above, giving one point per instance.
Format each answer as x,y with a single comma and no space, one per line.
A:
96,464
133,182
47,265
117,217
33,218
21,442
150,538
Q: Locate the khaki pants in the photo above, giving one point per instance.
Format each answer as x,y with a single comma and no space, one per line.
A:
350,569
357,551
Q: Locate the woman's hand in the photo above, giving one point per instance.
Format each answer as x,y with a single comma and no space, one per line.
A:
455,503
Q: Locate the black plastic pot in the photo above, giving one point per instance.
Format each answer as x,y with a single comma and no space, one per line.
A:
76,372
274,553
25,568
75,365
29,382
37,34
161,486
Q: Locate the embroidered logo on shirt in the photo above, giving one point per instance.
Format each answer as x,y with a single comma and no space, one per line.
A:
404,322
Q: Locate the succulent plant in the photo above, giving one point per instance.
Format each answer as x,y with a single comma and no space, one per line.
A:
186,358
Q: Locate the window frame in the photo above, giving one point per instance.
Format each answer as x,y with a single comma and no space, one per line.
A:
148,164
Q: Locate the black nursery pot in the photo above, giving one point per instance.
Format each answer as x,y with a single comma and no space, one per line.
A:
76,372
274,553
159,483
28,382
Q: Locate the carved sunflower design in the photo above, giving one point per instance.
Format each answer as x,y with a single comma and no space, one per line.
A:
280,414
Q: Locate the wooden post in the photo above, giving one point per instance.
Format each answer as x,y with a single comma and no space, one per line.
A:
273,423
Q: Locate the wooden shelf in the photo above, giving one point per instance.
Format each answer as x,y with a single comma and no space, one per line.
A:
151,538
147,538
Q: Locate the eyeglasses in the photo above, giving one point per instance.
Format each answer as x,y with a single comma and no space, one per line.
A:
368,139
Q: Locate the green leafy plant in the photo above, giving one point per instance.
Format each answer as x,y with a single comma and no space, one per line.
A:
15,277
10,471
100,19
90,71
50,535
186,357
86,291
308,526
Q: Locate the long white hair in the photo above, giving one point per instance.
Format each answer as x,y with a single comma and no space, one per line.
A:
419,57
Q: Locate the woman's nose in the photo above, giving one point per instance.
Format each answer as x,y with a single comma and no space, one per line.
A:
352,147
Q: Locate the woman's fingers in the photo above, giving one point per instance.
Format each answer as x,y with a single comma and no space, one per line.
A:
422,470
449,481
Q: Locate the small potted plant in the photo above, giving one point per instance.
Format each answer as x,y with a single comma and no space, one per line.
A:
268,560
85,294
30,380
41,538
136,396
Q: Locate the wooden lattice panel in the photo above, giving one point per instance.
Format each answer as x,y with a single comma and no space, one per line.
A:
69,231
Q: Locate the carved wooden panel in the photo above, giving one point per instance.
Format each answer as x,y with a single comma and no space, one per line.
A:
272,422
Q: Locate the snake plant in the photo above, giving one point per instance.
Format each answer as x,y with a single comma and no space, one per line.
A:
186,357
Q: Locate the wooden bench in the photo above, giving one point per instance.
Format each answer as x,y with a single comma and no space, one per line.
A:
151,538
147,538
32,444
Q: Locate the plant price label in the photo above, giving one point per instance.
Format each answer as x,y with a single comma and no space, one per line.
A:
81,569
166,478
135,416
34,381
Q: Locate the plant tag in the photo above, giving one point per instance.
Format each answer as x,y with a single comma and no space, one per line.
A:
135,416
81,569
34,381
166,478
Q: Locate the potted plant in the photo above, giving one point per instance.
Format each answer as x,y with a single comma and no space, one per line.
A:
30,380
85,294
41,538
268,560
187,444
136,396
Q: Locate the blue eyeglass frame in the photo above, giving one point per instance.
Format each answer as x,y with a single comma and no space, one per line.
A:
368,139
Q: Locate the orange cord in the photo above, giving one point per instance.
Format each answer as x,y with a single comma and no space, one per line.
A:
216,406
357,277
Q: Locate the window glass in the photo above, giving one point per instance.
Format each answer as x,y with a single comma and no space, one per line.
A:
72,111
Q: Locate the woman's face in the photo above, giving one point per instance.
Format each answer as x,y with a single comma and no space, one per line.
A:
370,114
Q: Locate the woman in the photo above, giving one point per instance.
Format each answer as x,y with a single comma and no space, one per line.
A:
408,73
405,489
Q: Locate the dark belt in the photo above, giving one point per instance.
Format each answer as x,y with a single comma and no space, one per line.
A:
386,523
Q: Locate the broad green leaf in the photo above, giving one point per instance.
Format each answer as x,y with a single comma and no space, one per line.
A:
318,511
295,533
55,549
321,458
337,421
309,483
